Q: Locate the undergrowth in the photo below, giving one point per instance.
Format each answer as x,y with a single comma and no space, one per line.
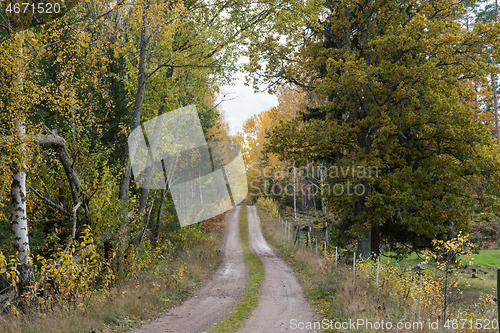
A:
153,285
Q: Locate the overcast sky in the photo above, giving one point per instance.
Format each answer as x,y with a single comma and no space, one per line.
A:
244,102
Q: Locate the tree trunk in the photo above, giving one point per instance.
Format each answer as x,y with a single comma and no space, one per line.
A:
19,217
323,200
19,228
302,194
364,244
375,241
148,172
494,86
322,186
80,200
294,199
134,123
160,213
364,240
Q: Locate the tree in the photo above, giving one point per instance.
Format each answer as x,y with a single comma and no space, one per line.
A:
265,170
448,257
391,73
15,144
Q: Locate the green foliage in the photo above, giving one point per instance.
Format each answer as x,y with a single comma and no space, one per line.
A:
69,278
149,258
188,236
65,280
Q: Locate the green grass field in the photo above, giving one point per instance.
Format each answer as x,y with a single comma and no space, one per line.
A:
486,262
489,259
485,259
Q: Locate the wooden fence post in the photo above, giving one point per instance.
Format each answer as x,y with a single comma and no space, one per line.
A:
419,294
309,237
336,256
316,246
378,265
354,264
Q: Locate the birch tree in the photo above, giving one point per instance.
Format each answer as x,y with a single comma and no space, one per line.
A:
15,143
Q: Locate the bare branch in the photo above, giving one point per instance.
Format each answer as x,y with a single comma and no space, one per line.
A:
73,233
51,202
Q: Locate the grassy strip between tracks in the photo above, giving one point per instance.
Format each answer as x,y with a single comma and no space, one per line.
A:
250,299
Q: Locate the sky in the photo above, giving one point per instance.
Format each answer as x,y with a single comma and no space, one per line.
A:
242,103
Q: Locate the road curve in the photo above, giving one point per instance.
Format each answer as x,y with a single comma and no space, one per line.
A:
216,297
282,297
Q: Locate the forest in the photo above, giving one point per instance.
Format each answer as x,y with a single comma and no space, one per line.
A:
386,130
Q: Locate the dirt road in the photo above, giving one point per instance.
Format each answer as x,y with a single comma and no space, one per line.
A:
282,297
282,301
216,297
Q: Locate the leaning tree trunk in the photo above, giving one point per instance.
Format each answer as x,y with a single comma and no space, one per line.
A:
80,199
145,59
158,218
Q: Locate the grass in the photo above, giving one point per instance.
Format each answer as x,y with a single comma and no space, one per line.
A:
129,303
250,298
486,259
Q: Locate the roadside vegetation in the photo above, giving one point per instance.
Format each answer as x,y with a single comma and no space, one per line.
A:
160,284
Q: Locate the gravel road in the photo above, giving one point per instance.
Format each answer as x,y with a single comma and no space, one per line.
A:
282,302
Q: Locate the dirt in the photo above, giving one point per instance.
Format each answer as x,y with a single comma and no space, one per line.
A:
282,301
216,297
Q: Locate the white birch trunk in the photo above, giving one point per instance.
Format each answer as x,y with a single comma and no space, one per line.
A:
19,219
294,199
322,186
323,200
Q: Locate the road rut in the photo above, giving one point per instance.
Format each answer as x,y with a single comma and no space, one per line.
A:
216,297
282,297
